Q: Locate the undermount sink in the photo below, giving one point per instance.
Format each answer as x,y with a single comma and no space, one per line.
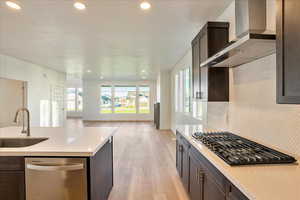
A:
19,142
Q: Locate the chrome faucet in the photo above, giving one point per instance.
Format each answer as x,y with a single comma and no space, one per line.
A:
28,120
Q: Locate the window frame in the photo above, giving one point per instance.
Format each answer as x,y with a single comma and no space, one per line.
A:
137,91
76,99
181,102
112,97
187,91
135,100
138,98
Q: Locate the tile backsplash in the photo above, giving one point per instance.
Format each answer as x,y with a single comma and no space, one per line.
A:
252,111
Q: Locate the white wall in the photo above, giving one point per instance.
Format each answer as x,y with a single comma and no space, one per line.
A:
165,99
91,102
39,80
12,98
252,110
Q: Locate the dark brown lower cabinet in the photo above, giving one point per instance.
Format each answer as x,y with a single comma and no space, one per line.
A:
196,179
101,172
12,186
233,193
212,190
12,178
203,177
182,160
178,158
202,180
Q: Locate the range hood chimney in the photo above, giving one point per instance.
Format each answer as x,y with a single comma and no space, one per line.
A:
250,16
253,41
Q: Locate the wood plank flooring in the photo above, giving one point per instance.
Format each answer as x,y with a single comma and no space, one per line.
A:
144,162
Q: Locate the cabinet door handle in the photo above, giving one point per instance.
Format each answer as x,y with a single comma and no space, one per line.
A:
230,188
200,176
180,148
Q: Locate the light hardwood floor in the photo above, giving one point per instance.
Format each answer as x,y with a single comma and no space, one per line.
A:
144,162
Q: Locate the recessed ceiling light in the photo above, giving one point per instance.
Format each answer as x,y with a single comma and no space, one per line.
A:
88,71
101,77
143,71
13,5
79,5
145,5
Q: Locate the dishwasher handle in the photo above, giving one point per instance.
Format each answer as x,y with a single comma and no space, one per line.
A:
55,167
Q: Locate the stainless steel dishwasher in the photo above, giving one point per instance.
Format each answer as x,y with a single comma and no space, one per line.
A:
56,179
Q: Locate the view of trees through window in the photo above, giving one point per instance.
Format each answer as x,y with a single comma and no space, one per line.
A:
124,99
79,99
144,103
106,99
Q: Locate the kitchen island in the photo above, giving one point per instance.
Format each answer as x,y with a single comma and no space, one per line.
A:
68,163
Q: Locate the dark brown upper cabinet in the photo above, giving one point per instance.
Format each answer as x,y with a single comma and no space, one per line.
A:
210,84
288,59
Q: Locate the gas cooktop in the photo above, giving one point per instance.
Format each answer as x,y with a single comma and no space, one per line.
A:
236,150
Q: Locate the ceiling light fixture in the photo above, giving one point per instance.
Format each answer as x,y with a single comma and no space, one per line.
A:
88,71
101,77
13,5
145,5
79,5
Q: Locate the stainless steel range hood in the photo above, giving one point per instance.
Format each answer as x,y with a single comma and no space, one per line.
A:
253,41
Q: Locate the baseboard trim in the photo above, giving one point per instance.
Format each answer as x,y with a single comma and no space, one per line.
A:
91,121
74,117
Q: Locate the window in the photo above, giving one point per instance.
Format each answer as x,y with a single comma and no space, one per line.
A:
79,99
125,99
176,92
182,91
106,99
74,99
187,90
144,99
71,98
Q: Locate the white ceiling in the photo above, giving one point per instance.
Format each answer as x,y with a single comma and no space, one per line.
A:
113,38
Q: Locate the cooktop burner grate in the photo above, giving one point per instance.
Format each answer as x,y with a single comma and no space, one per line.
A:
236,150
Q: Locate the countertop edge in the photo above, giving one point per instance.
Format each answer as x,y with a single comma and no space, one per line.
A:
104,142
49,153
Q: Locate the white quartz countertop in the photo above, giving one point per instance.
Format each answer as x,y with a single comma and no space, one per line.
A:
259,182
81,142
